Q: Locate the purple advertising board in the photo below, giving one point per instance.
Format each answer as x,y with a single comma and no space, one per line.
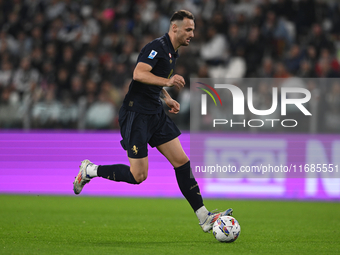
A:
47,162
283,166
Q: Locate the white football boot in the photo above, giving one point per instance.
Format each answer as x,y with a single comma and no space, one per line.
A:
82,177
207,225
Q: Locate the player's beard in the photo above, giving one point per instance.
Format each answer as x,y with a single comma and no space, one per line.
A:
184,41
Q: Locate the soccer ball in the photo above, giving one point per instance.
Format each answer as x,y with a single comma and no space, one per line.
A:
226,229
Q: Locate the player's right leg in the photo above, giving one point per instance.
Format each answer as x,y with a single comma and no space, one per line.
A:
212,217
174,152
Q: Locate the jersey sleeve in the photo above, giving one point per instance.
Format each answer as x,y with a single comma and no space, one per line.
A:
151,53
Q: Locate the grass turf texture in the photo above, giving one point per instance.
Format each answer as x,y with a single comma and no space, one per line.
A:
101,225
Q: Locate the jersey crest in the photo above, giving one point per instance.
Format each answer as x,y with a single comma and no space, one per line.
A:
134,149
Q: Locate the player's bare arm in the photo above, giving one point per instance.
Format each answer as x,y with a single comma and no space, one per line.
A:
171,103
142,73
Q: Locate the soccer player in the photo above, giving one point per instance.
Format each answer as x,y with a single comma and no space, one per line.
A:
143,120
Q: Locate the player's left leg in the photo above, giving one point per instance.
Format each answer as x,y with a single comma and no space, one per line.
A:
135,133
136,173
133,174
174,152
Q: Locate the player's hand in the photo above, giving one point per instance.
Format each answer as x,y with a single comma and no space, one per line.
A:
177,81
173,105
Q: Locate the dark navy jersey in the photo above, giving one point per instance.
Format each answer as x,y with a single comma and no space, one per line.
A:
161,56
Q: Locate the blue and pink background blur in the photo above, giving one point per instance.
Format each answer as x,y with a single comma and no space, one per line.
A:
45,163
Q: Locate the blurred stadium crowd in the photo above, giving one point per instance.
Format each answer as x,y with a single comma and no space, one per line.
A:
68,64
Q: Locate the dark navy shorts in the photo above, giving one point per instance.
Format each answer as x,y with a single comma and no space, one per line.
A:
138,130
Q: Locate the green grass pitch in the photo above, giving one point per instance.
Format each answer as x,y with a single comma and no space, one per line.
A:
105,225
